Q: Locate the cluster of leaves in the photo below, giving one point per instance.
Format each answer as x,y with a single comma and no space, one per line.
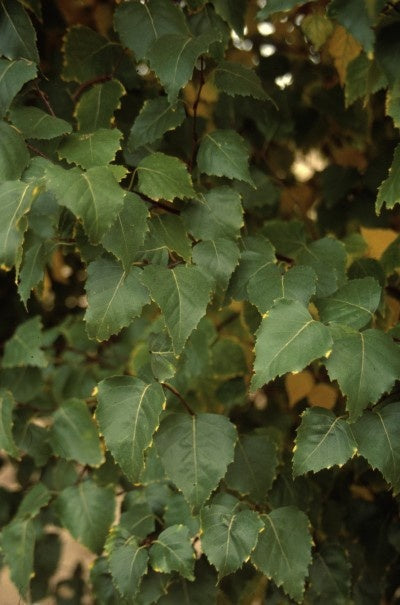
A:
172,272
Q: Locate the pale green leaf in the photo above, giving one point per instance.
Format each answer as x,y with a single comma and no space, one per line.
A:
228,537
34,123
323,440
128,414
217,259
115,297
126,235
13,75
87,511
139,25
14,156
7,404
91,149
93,196
173,57
317,28
87,54
156,117
182,294
224,153
18,542
195,452
74,435
270,284
164,177
257,255
127,562
254,467
97,105
287,341
327,256
236,79
172,551
217,213
377,436
283,552
15,201
353,304
388,192
24,347
366,365
17,35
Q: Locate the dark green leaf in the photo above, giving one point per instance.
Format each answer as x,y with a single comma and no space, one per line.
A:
97,105
236,79
224,153
217,213
91,149
24,347
164,177
35,499
156,117
195,452
18,542
330,574
87,54
17,35
327,257
14,156
127,562
388,192
257,255
172,551
355,17
13,75
217,259
7,443
274,6
162,358
128,414
34,123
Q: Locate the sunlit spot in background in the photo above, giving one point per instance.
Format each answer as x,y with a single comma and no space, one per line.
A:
284,81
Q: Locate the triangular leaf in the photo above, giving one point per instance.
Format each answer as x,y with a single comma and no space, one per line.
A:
97,105
91,149
164,177
172,551
283,552
34,123
388,192
217,259
330,574
287,341
87,54
114,298
224,153
128,414
195,452
127,562
34,500
15,201
322,441
228,537
366,365
18,543
13,75
217,213
377,434
327,256
17,35
236,79
24,347
156,117
257,255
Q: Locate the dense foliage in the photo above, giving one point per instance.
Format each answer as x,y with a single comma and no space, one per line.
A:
200,299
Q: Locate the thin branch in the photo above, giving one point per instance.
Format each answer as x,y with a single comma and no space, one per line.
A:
195,107
45,99
179,396
163,205
85,85
38,152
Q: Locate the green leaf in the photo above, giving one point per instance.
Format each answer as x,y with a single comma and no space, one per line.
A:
36,498
87,54
91,149
327,256
202,590
93,196
138,519
164,177
257,255
217,213
126,235
270,284
17,35
173,57
376,433
353,304
34,123
18,543
224,153
36,254
115,297
162,359
355,18
74,435
236,79
366,365
323,440
287,341
156,117
330,574
13,75
182,294
317,28
87,511
217,259
139,25
363,77
7,404
128,414
274,6
14,156
253,469
167,231
178,511
195,452
390,259
127,562
228,537
232,11
388,192
24,347
15,201
172,551
288,237
97,105
283,552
